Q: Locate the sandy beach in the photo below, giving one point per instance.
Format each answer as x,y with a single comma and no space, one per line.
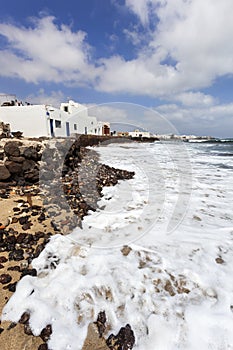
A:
13,336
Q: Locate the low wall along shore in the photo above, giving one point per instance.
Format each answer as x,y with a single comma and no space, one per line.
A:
20,158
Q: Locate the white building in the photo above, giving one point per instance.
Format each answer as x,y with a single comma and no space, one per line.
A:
45,120
138,133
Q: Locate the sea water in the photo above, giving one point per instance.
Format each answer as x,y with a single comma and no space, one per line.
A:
157,254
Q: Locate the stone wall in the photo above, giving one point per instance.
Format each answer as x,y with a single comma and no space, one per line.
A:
19,161
24,160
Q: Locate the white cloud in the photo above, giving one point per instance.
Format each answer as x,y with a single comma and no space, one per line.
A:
110,112
194,99
46,52
194,35
215,120
140,8
54,98
187,49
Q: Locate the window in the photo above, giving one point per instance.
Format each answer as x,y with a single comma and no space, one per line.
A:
57,124
75,127
65,108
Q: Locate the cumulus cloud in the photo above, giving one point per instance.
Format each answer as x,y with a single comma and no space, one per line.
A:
140,8
46,52
54,98
187,49
194,99
215,120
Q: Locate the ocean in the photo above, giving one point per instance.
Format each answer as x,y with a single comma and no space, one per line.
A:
156,254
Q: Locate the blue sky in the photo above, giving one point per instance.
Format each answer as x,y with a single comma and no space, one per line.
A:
173,57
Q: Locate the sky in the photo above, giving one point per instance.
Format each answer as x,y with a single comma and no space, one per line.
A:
173,58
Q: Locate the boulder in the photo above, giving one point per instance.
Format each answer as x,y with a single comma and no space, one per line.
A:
13,167
28,164
124,340
31,153
17,159
4,172
12,148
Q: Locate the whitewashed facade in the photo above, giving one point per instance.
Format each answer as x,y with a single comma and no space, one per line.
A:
138,133
45,120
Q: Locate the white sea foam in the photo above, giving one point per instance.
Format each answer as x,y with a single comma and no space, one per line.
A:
169,288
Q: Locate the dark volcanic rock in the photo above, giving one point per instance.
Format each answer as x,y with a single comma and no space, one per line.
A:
16,159
124,340
13,167
30,272
12,287
46,332
28,164
100,323
4,172
3,259
12,148
5,278
17,255
24,318
32,153
27,329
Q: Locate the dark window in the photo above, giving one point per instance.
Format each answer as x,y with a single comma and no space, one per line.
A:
65,108
51,127
75,126
57,123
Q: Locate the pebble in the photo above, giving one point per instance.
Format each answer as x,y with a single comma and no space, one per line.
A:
24,318
5,278
46,332
16,255
219,260
27,329
11,287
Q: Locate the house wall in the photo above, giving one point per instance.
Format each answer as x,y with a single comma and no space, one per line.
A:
138,133
31,120
78,114
45,120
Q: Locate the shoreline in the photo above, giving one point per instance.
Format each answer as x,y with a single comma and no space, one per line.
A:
26,226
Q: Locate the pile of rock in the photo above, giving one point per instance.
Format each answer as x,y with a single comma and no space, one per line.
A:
19,161
73,181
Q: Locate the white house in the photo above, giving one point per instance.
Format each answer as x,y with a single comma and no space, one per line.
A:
139,133
45,120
